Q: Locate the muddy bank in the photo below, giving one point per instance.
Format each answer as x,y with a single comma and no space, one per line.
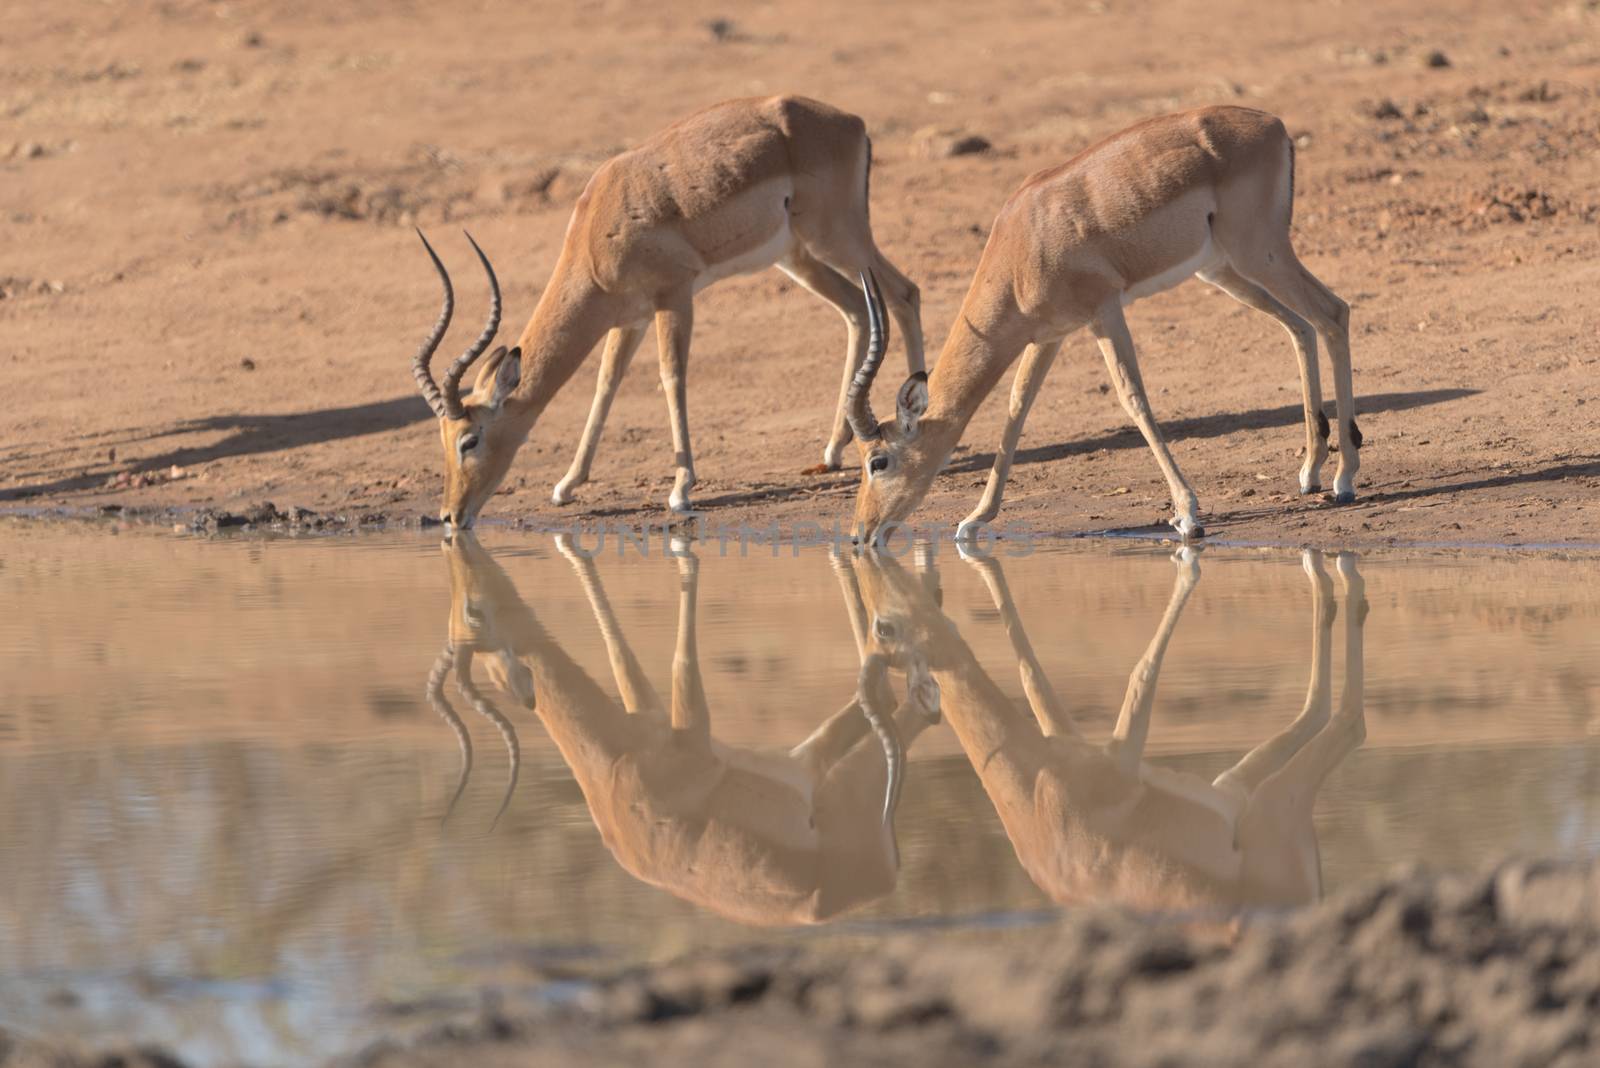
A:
1501,968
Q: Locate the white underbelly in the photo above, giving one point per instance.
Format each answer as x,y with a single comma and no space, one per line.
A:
1206,259
758,258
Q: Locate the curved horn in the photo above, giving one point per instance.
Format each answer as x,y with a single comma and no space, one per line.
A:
419,363
436,698
858,401
452,377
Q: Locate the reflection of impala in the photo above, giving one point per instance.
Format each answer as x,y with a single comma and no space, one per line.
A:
1097,822
764,838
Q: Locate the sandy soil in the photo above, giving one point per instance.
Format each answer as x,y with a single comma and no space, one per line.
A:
211,291
1496,969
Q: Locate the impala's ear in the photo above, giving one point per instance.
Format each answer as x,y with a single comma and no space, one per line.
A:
924,690
506,376
517,681
487,368
911,402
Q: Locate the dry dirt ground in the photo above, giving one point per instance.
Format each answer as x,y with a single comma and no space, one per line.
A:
209,289
1496,970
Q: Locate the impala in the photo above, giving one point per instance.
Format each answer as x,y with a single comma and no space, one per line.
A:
740,186
760,837
1207,192
1093,821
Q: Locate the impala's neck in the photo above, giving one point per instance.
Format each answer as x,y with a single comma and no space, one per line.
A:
988,724
977,352
572,315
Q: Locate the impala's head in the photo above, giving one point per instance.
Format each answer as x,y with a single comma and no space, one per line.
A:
482,601
478,443
897,465
905,609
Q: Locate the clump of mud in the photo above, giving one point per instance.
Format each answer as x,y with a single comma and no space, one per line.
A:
1501,968
268,516
1495,969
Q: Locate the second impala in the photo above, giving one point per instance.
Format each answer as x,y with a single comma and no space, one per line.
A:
1207,192
740,186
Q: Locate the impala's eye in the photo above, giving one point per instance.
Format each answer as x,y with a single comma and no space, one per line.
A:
883,629
878,464
466,443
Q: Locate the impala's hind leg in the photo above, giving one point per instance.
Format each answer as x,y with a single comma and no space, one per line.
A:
1280,273
1276,836
828,744
844,244
1266,759
1304,337
905,304
846,298
1251,227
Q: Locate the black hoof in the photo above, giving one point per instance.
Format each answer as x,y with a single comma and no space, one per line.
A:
1309,490
1344,498
1195,534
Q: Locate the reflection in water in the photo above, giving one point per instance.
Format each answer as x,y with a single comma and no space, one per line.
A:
1098,822
764,838
459,659
222,778
787,838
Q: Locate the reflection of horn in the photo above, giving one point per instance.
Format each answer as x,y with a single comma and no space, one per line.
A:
508,732
436,698
851,585
870,691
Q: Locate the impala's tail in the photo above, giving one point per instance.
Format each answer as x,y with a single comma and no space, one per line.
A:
1290,141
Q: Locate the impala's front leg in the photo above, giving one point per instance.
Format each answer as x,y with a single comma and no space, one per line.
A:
1116,345
1053,717
620,347
674,324
1133,722
1036,364
638,696
690,714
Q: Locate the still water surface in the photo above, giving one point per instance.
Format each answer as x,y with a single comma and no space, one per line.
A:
252,791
